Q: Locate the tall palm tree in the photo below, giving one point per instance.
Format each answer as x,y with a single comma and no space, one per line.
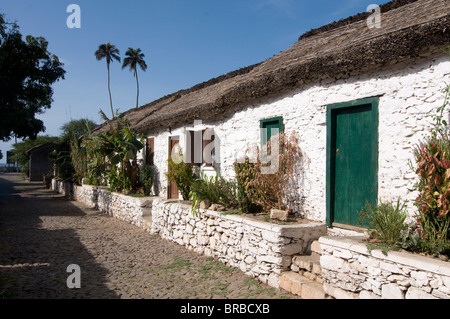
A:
109,52
133,59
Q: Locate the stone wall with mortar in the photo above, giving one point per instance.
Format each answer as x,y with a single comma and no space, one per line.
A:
350,271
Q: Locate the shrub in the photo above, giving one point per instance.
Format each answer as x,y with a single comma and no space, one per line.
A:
266,188
147,177
216,189
432,165
386,219
244,175
183,176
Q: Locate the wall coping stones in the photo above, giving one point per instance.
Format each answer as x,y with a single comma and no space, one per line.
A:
356,244
350,270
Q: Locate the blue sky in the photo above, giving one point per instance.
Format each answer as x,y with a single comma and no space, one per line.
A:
185,43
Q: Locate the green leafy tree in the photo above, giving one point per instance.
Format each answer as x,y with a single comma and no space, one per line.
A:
135,58
27,71
66,164
109,52
115,151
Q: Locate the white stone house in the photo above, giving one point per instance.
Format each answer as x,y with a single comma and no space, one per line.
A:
358,95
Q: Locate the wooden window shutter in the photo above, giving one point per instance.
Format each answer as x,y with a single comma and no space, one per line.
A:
208,160
150,152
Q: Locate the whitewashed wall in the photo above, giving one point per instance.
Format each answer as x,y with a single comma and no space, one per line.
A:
407,93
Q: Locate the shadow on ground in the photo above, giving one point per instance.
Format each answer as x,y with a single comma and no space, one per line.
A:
34,260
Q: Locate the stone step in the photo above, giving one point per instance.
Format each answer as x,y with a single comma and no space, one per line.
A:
315,247
301,286
309,263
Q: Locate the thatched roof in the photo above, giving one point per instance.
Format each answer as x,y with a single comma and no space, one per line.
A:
49,144
340,49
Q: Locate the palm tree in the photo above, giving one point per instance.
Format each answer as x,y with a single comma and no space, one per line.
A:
111,53
133,59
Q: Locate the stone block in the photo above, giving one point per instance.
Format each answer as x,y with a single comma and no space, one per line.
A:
416,293
315,247
392,291
277,214
205,204
312,290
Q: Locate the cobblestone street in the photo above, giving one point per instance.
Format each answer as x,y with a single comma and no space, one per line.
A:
42,233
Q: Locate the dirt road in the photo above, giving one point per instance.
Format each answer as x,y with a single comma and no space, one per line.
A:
42,234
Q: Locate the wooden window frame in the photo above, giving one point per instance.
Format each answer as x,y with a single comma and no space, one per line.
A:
264,122
150,156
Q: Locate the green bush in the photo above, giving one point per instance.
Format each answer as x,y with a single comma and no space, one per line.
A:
386,219
215,189
183,176
244,174
147,177
432,165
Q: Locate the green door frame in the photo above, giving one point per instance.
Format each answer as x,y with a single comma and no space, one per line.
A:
331,146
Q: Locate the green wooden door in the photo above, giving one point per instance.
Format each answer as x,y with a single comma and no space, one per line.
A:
353,159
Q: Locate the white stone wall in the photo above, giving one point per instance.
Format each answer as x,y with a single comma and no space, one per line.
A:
86,194
129,209
350,271
407,94
259,249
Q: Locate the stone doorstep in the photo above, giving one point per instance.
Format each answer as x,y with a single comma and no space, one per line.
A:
301,286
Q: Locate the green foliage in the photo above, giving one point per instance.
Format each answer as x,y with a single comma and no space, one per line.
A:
135,58
27,72
182,174
244,175
147,178
109,52
117,181
115,152
386,219
432,165
68,158
216,189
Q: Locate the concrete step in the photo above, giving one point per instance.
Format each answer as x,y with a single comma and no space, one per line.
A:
301,286
309,263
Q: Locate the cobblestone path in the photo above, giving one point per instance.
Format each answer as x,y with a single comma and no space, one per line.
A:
41,234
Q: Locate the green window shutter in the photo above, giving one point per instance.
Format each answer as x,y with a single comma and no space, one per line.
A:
267,125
